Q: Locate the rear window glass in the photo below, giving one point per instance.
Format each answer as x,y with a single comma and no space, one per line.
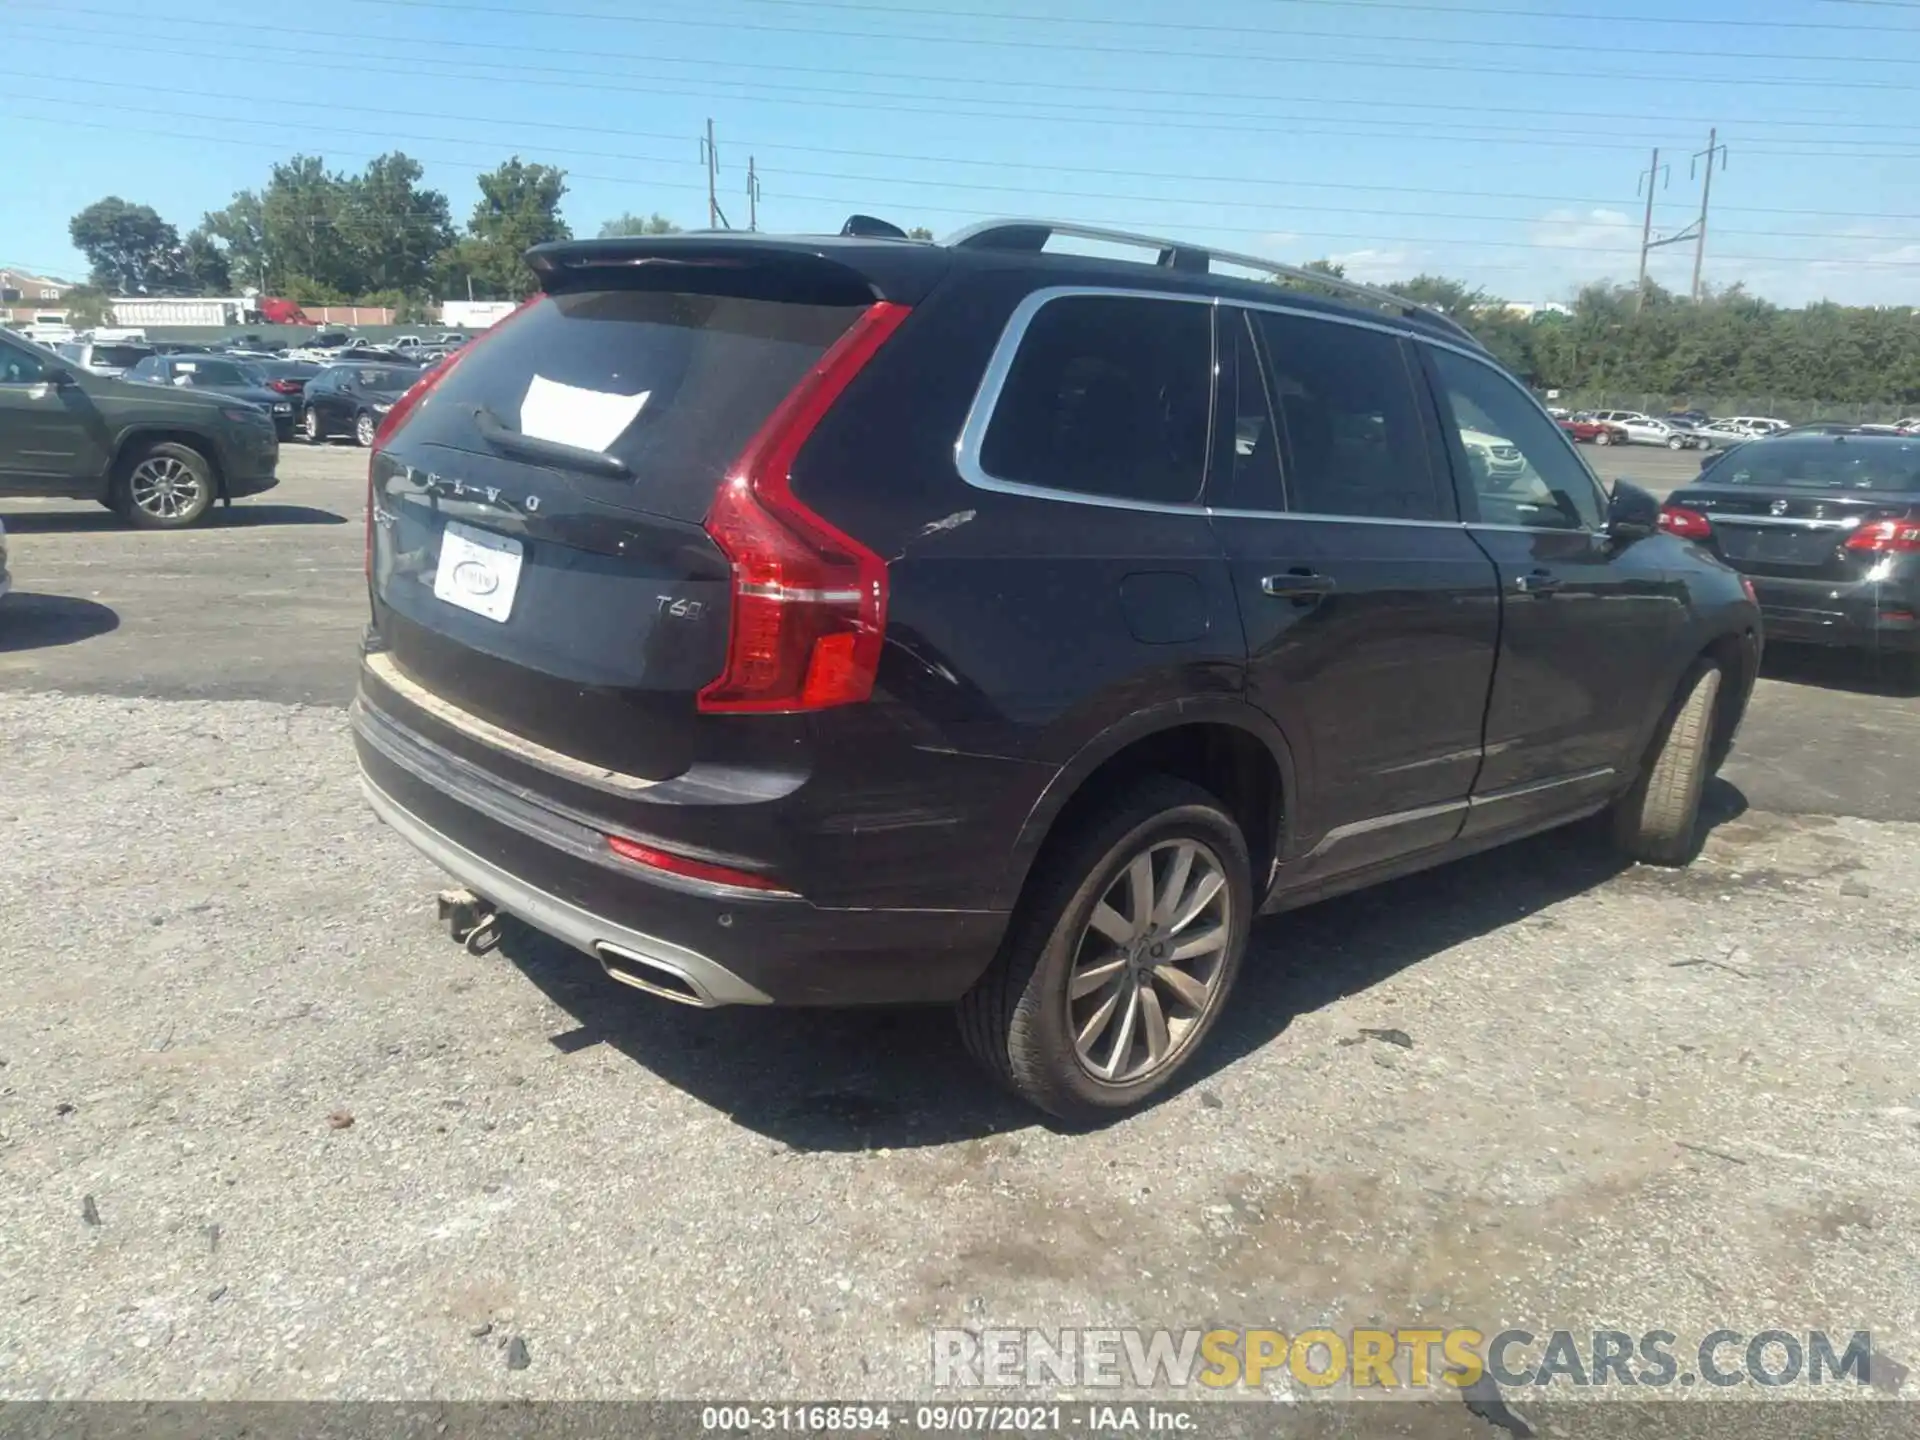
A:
380,379
213,372
120,356
1837,464
1108,395
711,368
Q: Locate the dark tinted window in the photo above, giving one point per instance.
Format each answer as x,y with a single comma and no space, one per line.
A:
1522,469
212,372
711,368
151,368
1351,420
1108,395
119,357
20,366
1824,464
376,379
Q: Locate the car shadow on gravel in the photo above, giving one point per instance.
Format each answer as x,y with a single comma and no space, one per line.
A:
897,1079
224,517
1833,668
30,621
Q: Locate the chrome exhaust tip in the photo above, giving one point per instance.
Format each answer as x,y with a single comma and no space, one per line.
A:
651,976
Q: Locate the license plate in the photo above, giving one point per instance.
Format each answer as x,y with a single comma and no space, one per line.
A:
479,571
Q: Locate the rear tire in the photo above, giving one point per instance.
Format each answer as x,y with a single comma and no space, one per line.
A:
364,429
1605,437
1082,925
166,486
310,426
1658,820
1676,443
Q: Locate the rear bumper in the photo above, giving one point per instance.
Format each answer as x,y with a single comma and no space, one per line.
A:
1873,615
724,945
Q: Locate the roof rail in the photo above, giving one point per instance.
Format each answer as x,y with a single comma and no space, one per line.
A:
1179,255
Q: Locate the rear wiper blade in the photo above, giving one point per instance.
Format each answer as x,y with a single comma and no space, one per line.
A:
552,452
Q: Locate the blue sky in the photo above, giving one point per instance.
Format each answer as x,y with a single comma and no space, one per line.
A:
1497,141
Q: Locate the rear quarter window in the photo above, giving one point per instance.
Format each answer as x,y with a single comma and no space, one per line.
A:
1108,395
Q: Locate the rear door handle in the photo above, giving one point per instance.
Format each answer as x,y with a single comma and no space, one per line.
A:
1540,582
1299,585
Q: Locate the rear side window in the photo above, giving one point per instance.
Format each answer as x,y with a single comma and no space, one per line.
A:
1108,395
687,379
1348,412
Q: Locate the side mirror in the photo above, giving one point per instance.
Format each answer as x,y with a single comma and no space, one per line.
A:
1632,513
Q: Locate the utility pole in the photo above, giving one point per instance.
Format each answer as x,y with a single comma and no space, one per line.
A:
1646,231
716,217
1706,194
753,196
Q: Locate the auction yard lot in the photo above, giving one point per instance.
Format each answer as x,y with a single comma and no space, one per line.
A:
265,1131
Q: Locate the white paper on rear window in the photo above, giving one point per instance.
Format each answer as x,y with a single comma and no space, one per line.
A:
570,415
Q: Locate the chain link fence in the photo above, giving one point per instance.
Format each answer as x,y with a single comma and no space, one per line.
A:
1777,407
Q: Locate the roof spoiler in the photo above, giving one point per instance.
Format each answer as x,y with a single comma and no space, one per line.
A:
796,269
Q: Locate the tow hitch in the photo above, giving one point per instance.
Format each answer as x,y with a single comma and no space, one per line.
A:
471,921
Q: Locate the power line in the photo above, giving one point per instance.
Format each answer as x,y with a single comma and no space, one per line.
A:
1828,119
1161,55
835,99
1128,172
843,201
1585,221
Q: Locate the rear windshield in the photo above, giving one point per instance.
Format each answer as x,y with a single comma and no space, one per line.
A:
674,385
213,372
1838,464
122,357
393,381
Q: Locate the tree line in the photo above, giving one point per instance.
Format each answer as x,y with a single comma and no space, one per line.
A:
323,236
379,237
1666,348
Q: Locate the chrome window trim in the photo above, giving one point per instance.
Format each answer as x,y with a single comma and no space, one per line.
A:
973,434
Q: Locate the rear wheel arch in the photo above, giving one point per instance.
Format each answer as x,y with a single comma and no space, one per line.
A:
1229,750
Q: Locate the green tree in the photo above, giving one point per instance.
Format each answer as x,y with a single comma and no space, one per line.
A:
204,264
631,224
87,306
131,249
519,208
392,230
920,232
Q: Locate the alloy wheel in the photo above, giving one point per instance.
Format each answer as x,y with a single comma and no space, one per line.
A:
1149,963
363,429
164,487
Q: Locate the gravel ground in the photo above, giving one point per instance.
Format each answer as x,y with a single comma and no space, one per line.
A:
267,1133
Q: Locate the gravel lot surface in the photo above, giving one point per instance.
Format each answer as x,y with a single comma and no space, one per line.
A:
266,1132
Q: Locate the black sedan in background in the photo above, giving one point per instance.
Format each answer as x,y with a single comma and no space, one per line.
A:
353,399
222,377
286,377
1827,528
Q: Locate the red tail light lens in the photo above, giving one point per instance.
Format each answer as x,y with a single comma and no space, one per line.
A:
689,868
809,602
1687,524
1887,537
285,387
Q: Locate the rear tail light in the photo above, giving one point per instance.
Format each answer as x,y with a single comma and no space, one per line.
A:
404,407
809,602
1687,524
690,869
285,387
1752,594
1887,537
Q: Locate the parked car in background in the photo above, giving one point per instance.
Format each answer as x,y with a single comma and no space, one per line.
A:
6,576
1911,425
222,377
110,358
753,682
156,455
1719,434
1594,432
1758,424
352,399
1828,529
287,377
1687,419
1643,429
